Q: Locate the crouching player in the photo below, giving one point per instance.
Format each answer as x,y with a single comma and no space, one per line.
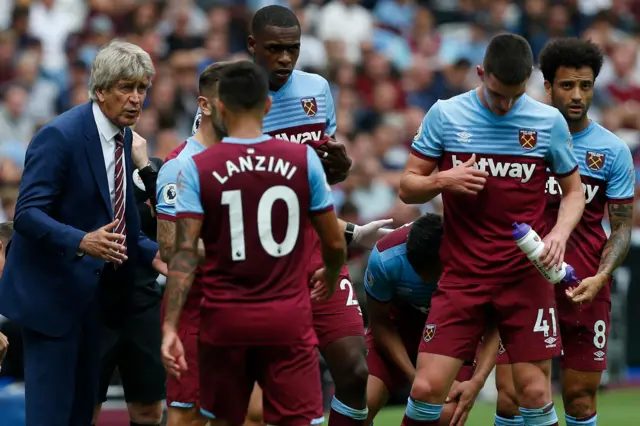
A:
250,198
403,270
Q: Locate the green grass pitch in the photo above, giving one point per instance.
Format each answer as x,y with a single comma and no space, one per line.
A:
615,408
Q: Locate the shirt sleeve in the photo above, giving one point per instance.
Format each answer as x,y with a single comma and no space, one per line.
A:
560,156
196,122
188,203
166,191
321,199
427,142
331,126
622,179
377,283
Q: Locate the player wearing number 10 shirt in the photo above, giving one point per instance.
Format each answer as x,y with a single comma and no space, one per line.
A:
492,146
250,198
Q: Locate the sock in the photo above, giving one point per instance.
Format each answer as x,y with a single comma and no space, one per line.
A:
504,421
140,424
585,421
545,416
343,415
421,413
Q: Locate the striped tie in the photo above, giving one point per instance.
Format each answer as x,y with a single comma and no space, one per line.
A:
118,207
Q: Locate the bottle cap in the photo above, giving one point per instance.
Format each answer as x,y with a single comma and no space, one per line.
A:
520,230
569,275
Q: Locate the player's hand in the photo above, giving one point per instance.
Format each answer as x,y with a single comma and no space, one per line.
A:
104,244
139,154
4,347
366,236
555,244
319,289
465,393
335,160
587,289
160,266
172,353
465,179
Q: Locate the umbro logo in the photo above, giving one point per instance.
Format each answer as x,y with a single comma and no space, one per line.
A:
551,342
599,356
464,137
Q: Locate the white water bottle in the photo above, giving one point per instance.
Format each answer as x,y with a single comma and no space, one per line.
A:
531,244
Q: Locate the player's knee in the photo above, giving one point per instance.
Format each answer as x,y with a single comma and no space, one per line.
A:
428,389
145,413
579,401
535,394
507,403
355,373
185,417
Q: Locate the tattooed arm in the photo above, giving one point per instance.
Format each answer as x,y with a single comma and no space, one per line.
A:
614,253
166,239
181,269
617,247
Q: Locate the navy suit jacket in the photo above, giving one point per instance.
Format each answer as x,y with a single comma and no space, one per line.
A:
64,194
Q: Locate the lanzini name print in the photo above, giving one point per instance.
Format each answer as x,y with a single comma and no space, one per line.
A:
258,163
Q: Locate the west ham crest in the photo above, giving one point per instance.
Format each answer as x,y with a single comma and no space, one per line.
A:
310,106
528,138
429,332
501,349
595,160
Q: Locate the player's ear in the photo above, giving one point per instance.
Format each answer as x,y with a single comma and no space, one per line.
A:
267,105
547,88
251,45
100,95
480,72
204,105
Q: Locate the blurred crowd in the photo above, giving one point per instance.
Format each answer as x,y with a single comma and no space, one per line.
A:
387,61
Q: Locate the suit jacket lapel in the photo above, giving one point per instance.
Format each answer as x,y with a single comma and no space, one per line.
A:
95,156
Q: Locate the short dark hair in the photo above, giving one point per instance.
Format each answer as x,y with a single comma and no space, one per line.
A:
210,77
423,242
275,16
570,52
509,58
6,232
244,86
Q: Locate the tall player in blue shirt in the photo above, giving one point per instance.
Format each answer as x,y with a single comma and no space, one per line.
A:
492,146
303,112
570,67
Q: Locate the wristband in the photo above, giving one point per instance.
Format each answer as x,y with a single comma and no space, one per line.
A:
349,232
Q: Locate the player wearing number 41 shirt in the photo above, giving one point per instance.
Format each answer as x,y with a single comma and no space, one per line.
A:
492,146
400,278
570,67
250,198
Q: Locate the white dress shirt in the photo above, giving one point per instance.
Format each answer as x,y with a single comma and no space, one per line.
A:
107,131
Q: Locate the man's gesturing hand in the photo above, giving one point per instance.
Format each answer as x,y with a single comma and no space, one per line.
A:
104,244
465,178
139,154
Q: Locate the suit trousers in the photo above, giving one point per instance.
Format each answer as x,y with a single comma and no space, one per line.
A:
62,373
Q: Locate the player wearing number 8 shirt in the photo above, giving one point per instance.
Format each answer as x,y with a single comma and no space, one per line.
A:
570,67
250,198
492,146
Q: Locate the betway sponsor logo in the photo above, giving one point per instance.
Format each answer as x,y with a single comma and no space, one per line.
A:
522,171
303,137
553,188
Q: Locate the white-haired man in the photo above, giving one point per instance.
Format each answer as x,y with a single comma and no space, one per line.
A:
70,266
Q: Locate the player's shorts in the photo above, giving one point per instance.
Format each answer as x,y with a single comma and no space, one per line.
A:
339,316
524,311
585,332
185,392
134,349
393,378
288,375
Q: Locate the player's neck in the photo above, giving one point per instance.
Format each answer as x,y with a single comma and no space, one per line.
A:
206,136
245,127
580,125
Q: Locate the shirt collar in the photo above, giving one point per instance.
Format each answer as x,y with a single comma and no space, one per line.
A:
106,128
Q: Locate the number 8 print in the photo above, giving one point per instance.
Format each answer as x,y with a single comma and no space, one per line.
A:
600,339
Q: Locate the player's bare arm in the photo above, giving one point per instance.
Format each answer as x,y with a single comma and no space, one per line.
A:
386,336
166,239
569,214
335,160
420,182
334,247
182,268
614,253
